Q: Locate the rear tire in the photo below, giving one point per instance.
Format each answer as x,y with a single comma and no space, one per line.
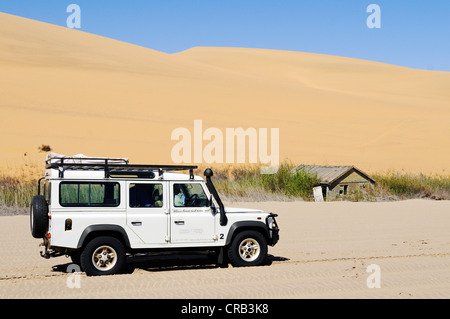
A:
103,256
38,216
248,248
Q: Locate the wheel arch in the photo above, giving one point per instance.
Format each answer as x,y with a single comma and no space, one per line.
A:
103,230
246,225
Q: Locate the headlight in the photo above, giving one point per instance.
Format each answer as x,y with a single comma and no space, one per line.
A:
270,222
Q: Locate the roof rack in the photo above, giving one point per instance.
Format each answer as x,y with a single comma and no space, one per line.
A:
112,166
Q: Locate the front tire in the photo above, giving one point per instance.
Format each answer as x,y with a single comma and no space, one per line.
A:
248,248
103,256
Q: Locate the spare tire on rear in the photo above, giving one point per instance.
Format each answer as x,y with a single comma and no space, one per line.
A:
38,216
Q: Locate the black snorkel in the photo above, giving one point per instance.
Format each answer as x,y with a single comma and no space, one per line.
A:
223,218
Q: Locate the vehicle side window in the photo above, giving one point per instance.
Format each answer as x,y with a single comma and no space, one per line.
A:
146,195
189,195
85,194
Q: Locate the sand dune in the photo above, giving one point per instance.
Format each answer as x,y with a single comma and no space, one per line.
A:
82,93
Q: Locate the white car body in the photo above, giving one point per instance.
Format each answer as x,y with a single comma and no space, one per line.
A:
161,225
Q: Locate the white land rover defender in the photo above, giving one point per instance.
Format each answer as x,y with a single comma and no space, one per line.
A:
98,211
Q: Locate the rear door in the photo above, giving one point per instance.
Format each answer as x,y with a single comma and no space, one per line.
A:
147,212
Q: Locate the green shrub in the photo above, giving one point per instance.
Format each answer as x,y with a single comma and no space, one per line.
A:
247,181
415,186
286,182
15,193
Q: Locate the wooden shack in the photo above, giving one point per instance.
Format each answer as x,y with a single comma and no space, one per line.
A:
338,180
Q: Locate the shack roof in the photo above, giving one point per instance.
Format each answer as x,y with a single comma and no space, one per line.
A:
331,175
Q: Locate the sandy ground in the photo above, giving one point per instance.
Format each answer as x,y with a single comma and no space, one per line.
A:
82,93
324,252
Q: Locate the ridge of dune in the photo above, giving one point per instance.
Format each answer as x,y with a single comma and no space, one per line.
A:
83,93
24,40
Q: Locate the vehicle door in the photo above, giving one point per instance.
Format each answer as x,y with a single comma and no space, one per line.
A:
147,212
191,217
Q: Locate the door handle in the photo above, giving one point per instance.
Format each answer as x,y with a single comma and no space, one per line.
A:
136,223
179,222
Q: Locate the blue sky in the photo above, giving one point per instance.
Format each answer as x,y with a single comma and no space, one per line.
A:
413,33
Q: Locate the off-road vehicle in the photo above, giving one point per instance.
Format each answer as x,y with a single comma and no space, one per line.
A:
98,211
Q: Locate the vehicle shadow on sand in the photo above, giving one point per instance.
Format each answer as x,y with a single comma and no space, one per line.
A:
170,263
183,262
